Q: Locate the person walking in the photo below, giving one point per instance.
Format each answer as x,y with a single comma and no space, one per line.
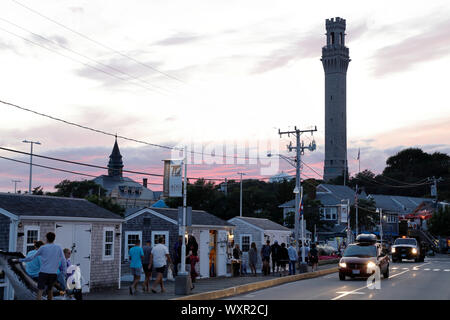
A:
313,257
147,249
136,254
283,259
159,259
253,258
293,257
52,257
177,255
192,260
275,250
34,266
265,257
237,256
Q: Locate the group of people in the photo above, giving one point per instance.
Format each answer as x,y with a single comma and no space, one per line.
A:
280,255
47,264
157,260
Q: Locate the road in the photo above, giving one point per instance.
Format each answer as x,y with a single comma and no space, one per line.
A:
429,280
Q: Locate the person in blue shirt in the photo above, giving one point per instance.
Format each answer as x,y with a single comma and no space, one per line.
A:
51,257
34,266
136,254
62,277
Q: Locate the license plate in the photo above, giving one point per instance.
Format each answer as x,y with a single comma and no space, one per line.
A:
355,271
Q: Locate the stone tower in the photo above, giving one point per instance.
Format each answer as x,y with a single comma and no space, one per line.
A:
335,59
115,164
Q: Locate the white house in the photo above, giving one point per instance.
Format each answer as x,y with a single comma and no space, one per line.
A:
257,230
91,232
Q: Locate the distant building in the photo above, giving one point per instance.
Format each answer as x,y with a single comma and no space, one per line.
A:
122,190
280,177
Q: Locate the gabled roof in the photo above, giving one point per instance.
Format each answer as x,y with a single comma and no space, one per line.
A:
261,223
330,194
199,217
400,204
119,184
46,206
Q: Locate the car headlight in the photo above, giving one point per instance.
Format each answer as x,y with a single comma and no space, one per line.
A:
414,250
342,265
371,265
393,250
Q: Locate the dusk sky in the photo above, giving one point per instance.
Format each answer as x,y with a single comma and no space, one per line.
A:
215,73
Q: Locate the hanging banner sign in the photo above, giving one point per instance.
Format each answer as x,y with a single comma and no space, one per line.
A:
173,182
344,212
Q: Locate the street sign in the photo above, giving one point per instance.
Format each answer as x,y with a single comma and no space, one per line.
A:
172,185
188,216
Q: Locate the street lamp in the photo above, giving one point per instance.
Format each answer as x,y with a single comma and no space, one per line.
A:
240,199
15,185
349,230
31,160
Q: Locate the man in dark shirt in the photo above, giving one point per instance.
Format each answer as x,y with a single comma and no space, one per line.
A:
276,249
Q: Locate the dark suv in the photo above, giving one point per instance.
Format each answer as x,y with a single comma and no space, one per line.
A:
362,258
407,248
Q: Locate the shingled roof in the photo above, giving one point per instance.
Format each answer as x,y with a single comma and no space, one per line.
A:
199,217
262,223
40,206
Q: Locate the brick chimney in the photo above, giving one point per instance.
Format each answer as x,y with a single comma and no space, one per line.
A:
144,182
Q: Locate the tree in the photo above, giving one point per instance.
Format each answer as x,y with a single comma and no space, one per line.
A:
78,189
367,218
38,191
439,223
88,190
107,204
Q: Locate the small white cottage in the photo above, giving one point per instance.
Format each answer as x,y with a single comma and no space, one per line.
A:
91,232
258,230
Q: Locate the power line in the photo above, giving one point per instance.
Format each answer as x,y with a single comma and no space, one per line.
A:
88,128
98,43
80,54
46,167
79,163
99,167
78,61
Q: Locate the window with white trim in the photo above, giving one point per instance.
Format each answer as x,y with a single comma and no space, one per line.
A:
108,243
328,213
131,237
392,218
156,235
31,234
246,240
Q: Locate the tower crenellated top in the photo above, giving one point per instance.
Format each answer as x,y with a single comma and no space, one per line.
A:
335,32
335,22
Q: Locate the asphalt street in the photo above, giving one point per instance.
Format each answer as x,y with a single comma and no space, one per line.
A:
429,280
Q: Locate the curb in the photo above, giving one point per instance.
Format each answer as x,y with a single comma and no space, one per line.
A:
228,292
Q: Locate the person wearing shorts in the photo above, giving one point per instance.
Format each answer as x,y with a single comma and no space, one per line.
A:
52,257
158,259
136,254
145,265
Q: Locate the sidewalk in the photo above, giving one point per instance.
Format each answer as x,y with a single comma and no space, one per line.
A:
201,286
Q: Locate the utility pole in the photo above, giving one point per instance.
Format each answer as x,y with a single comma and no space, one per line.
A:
31,161
300,150
434,188
15,185
356,209
240,200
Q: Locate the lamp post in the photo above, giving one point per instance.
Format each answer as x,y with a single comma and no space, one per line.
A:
31,161
240,199
15,185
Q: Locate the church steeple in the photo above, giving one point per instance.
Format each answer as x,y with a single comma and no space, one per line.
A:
115,164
